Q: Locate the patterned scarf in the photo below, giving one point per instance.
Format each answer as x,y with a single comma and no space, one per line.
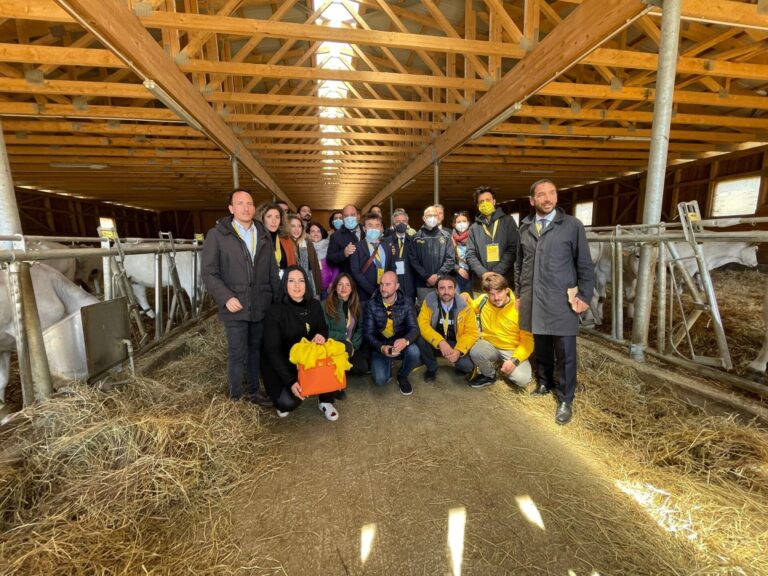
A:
460,238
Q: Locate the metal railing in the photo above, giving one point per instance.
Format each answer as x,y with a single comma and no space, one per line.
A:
165,296
671,279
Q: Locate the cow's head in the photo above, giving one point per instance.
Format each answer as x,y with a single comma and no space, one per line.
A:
749,256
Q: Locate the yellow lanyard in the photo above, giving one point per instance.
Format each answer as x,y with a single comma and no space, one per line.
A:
446,321
401,243
278,250
349,320
495,226
376,255
253,238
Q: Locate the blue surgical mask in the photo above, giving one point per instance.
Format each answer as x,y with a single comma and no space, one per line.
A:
372,235
350,222
338,223
431,221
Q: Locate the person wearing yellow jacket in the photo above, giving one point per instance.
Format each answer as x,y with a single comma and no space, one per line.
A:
447,324
501,339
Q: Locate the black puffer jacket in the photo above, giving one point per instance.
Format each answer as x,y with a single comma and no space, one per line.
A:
430,252
228,271
375,320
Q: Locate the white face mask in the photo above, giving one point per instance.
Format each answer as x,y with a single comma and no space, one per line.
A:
431,221
462,227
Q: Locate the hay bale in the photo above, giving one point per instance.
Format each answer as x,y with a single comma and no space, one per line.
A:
132,481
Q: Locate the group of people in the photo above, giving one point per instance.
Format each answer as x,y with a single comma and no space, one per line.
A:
401,294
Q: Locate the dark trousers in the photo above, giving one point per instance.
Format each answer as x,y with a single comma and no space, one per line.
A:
463,285
556,355
243,355
429,357
359,361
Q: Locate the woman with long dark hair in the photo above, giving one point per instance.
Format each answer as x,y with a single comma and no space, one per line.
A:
344,317
298,315
306,257
274,220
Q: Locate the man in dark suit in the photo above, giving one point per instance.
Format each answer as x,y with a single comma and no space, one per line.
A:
372,256
555,280
401,240
240,273
343,242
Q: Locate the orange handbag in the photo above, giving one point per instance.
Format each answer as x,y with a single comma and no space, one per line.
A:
321,378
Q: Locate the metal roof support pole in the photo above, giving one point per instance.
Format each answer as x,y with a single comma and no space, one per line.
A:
437,183
10,222
235,173
33,362
391,209
657,167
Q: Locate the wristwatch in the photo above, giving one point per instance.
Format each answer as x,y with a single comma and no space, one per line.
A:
516,362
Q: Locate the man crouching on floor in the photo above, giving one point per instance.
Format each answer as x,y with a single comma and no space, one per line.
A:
501,339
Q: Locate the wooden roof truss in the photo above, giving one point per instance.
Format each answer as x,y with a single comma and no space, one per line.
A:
333,102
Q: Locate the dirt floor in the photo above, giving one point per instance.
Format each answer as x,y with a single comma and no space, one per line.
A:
403,465
451,480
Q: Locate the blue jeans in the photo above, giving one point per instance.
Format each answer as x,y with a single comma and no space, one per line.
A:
463,285
381,366
243,355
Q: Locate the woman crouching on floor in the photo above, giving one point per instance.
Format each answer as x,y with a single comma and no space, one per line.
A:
298,315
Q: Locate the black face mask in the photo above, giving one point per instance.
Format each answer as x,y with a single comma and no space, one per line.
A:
401,228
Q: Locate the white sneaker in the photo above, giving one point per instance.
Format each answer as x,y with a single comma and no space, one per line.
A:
329,410
282,414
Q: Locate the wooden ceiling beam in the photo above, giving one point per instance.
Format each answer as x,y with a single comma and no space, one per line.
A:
11,125
91,57
113,22
562,48
60,140
133,113
112,151
723,12
268,119
42,10
561,89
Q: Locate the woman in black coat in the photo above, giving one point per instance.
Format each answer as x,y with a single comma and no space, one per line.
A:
298,315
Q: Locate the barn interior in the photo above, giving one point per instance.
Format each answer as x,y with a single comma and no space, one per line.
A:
149,113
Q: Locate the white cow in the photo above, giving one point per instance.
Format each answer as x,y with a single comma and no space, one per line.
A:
56,298
756,368
602,259
141,271
89,273
86,271
716,255
66,266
